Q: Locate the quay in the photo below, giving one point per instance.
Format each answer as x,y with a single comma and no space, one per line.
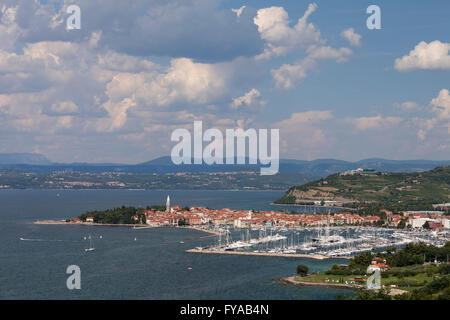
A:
265,254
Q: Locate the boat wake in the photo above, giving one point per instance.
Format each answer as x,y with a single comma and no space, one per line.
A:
49,240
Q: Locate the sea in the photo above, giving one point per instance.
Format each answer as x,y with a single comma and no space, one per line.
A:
136,263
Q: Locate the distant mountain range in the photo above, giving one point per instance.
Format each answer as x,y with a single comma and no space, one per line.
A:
321,167
23,158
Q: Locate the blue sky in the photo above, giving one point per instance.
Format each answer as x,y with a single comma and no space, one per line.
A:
116,89
369,81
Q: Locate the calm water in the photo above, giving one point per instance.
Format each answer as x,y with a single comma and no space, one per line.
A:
154,266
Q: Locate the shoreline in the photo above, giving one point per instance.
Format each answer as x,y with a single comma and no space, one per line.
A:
200,229
291,280
140,189
63,222
309,205
132,226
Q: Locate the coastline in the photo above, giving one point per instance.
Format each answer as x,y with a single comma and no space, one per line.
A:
309,205
63,222
291,280
133,226
200,229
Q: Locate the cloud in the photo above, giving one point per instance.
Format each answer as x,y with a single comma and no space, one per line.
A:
425,56
439,123
64,107
304,133
317,134
100,88
312,116
442,105
327,52
288,75
184,81
375,122
407,106
273,25
238,11
117,114
114,90
196,29
437,126
9,30
250,100
352,37
281,38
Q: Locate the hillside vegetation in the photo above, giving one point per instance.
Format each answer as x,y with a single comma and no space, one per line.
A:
421,271
393,191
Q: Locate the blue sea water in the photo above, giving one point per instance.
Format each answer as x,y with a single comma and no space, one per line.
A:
154,266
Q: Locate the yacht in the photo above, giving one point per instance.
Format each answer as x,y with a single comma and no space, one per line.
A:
91,246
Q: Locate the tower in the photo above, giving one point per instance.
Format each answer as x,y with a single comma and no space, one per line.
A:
168,204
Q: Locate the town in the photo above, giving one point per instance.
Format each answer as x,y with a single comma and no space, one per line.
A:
197,216
338,234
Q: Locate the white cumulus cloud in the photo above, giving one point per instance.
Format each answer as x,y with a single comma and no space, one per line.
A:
425,56
442,105
280,37
351,36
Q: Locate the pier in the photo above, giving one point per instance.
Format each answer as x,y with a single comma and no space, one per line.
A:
265,254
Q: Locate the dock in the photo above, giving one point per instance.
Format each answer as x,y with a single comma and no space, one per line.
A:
264,254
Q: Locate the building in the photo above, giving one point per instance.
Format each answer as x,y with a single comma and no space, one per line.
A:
378,264
194,220
419,222
90,219
424,213
168,204
445,206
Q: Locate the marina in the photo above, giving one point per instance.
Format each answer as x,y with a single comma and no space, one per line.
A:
321,242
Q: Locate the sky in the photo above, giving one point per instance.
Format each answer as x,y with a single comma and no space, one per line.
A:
115,90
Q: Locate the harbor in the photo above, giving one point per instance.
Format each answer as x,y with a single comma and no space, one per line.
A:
323,242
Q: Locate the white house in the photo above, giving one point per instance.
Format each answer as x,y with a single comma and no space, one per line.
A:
419,222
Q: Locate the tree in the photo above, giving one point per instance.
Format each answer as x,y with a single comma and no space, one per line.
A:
302,269
391,250
426,225
402,224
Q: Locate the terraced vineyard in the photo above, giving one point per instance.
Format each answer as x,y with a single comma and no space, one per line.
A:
394,191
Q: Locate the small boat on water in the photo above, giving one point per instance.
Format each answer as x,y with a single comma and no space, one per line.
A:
91,246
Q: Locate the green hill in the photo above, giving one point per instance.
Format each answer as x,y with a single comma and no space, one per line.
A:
392,191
